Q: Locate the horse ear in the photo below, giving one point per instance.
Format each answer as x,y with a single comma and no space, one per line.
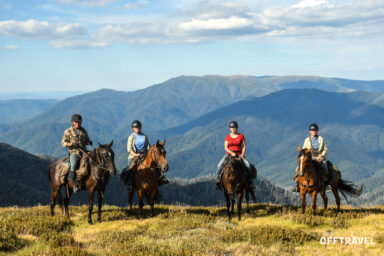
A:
162,143
298,148
157,143
99,143
110,144
308,150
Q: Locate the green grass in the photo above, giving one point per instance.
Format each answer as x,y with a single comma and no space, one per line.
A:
176,230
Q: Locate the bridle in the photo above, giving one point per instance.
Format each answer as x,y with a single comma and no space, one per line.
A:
306,170
155,156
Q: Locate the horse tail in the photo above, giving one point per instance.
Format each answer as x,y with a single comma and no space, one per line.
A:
348,188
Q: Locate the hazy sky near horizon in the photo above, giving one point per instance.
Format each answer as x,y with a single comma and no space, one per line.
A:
84,45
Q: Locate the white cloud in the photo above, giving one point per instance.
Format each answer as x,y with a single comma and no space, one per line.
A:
40,30
212,24
11,47
77,44
136,5
87,3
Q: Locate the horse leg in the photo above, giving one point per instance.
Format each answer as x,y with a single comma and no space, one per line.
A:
68,193
240,199
247,199
100,203
54,193
152,203
302,193
325,198
228,204
141,203
130,198
314,198
90,204
232,203
335,191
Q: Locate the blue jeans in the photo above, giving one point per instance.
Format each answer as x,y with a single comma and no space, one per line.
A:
220,166
75,161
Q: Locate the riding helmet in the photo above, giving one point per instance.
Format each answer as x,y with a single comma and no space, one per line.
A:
233,124
76,118
313,127
136,123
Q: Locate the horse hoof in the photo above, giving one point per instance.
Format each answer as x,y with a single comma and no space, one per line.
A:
99,220
90,222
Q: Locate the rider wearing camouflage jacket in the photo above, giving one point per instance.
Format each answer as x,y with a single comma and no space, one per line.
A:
76,140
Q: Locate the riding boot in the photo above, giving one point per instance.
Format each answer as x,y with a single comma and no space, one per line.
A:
74,182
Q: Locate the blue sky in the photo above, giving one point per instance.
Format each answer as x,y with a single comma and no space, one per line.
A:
84,45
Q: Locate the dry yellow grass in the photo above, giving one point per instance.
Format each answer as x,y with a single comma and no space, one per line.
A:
176,230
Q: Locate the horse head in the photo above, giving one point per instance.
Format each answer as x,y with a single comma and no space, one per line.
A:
158,154
232,174
106,157
305,159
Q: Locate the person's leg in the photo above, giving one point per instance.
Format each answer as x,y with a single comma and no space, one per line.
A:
296,179
249,170
129,180
220,166
218,170
74,160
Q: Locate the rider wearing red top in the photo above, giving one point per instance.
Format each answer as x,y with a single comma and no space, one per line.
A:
234,145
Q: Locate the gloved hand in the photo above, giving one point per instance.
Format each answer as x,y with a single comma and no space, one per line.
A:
75,145
91,143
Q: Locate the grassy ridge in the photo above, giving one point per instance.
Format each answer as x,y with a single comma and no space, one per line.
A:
176,230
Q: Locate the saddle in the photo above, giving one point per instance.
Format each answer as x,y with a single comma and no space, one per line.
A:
81,172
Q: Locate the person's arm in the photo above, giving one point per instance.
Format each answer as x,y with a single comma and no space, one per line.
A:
88,140
244,148
65,141
307,143
325,149
147,142
227,149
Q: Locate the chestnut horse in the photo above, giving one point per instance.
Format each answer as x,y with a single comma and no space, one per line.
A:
101,165
309,182
234,181
146,177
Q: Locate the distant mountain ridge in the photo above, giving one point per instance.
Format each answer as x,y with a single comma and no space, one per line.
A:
24,182
17,110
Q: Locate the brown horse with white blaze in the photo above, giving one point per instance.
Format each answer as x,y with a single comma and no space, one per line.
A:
146,176
101,166
309,182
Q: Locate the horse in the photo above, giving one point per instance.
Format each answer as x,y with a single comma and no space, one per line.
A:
101,166
309,182
234,181
146,177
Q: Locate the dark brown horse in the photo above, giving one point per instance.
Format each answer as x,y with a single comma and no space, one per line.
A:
101,165
146,177
309,182
234,182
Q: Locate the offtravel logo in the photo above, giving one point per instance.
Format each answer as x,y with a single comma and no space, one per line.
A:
346,240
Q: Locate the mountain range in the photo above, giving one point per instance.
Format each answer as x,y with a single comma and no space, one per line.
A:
24,182
192,113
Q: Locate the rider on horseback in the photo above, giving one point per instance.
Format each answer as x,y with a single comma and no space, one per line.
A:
137,147
75,139
318,152
234,145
